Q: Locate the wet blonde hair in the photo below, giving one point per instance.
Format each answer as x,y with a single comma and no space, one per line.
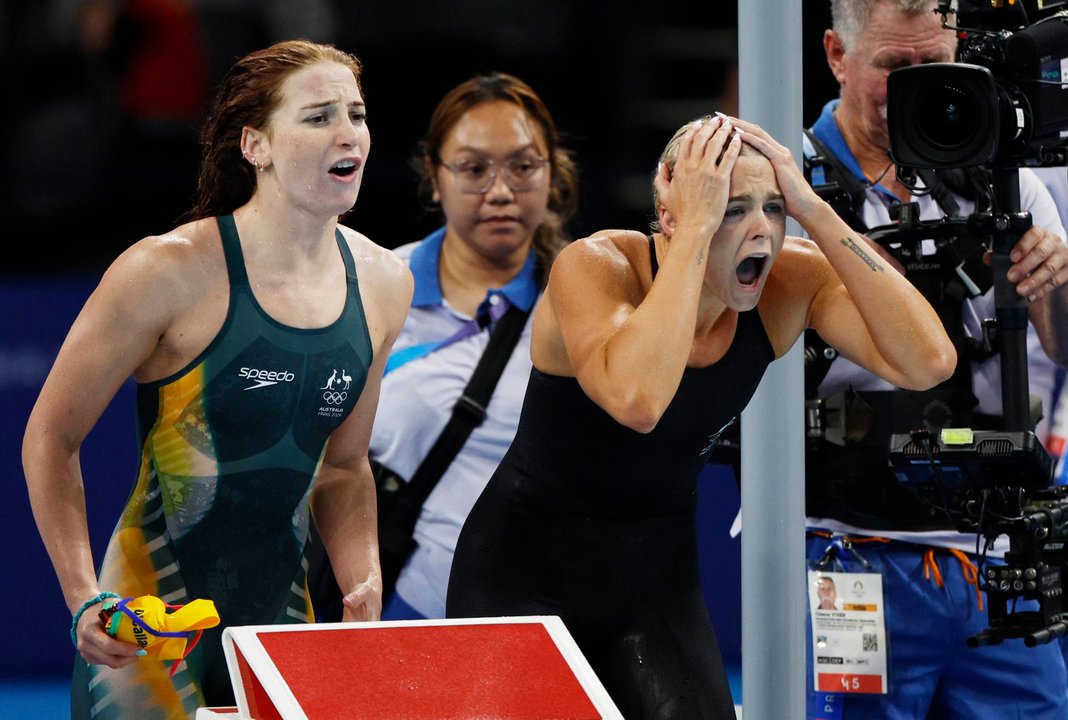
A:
670,156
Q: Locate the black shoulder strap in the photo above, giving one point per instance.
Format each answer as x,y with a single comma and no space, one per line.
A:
467,414
839,188
940,192
972,183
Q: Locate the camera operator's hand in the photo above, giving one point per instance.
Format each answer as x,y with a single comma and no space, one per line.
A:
1040,263
1039,271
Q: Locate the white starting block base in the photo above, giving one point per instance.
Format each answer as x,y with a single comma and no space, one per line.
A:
519,668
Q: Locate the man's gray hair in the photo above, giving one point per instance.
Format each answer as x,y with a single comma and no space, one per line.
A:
849,17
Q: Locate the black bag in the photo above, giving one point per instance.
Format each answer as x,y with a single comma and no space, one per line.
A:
325,594
395,526
400,503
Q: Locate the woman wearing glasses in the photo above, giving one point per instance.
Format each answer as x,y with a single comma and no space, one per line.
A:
491,162
644,348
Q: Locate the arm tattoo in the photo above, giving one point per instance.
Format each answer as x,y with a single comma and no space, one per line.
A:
868,259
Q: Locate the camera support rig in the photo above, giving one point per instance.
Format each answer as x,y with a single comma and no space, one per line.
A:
1036,523
998,482
1034,567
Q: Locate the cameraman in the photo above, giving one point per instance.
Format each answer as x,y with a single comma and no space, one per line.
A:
860,519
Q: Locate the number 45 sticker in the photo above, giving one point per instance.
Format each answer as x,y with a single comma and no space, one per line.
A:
834,682
853,683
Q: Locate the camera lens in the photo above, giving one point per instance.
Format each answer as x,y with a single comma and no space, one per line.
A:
942,115
952,118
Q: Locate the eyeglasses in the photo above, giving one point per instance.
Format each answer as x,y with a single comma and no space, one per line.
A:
477,175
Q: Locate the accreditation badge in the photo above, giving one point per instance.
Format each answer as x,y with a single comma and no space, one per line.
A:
848,632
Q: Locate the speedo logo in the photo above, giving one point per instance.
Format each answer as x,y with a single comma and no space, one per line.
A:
263,378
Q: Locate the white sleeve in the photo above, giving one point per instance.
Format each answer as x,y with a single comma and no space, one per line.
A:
1036,198
1056,181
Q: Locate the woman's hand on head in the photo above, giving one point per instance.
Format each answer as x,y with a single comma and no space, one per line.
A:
800,197
695,191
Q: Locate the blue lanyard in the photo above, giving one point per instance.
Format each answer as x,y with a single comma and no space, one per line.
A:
488,314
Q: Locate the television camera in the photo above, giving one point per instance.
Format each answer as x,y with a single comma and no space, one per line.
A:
1005,103
1004,106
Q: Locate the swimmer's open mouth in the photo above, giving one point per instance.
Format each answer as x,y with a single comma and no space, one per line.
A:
750,269
344,168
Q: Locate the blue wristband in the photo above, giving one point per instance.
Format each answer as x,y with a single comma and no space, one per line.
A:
85,606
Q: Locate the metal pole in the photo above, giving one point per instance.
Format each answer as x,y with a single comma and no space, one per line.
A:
774,600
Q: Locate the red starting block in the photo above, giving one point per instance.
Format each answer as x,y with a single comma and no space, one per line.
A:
517,668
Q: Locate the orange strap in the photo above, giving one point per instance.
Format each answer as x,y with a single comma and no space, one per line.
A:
930,567
967,568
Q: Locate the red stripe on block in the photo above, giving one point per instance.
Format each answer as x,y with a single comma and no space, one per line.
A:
427,673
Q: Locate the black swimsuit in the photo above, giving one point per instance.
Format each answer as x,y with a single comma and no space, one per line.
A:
594,522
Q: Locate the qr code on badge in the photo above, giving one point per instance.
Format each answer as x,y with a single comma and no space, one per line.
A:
869,642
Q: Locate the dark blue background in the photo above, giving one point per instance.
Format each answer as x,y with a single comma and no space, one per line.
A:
36,316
